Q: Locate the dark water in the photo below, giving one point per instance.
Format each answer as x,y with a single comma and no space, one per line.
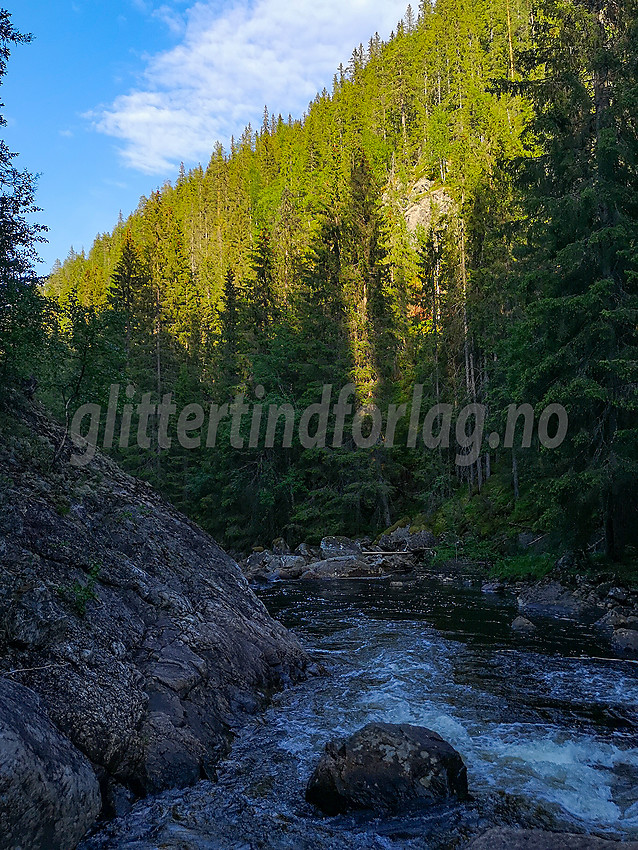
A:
546,724
548,717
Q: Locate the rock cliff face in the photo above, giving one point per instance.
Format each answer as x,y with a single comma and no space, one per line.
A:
139,635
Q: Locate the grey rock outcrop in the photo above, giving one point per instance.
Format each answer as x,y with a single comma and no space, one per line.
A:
402,539
139,634
336,547
625,642
538,839
554,600
386,767
345,566
49,794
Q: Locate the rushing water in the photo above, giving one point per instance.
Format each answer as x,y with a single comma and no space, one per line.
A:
546,724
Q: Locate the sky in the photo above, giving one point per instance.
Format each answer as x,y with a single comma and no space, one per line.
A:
112,95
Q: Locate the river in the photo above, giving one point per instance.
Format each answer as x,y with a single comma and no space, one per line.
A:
546,724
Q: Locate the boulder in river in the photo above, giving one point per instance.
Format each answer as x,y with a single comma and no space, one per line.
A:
625,642
552,600
337,547
538,839
345,566
280,547
49,794
402,539
386,767
523,625
493,587
290,567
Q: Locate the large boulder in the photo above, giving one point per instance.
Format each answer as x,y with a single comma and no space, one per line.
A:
258,566
140,635
625,642
419,541
346,566
402,539
364,565
386,767
538,839
552,600
337,547
49,794
290,566
396,541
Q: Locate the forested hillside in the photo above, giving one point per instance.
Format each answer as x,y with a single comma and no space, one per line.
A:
459,211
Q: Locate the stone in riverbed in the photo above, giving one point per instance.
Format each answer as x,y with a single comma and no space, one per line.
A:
338,547
310,553
386,767
523,625
404,540
493,587
625,641
291,567
538,839
348,566
555,601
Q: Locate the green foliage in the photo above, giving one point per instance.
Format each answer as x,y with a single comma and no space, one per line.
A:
22,311
288,263
524,567
79,595
470,549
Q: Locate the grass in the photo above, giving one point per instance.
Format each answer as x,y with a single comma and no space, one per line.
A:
524,567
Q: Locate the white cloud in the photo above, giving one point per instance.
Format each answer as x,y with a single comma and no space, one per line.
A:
228,65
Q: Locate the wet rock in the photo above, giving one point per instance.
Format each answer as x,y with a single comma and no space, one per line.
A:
493,587
617,594
364,565
522,625
337,547
291,567
49,794
386,767
139,634
553,600
395,541
418,541
280,547
404,540
537,839
348,566
625,642
310,553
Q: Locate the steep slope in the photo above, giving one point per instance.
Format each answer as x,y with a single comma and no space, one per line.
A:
138,633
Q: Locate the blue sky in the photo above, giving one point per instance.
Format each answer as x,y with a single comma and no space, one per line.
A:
113,94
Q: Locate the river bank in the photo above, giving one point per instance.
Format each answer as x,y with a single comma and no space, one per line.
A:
561,593
546,724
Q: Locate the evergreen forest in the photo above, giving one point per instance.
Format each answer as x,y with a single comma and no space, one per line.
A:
458,212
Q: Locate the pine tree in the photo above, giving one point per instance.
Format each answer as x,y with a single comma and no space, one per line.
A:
578,344
21,307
